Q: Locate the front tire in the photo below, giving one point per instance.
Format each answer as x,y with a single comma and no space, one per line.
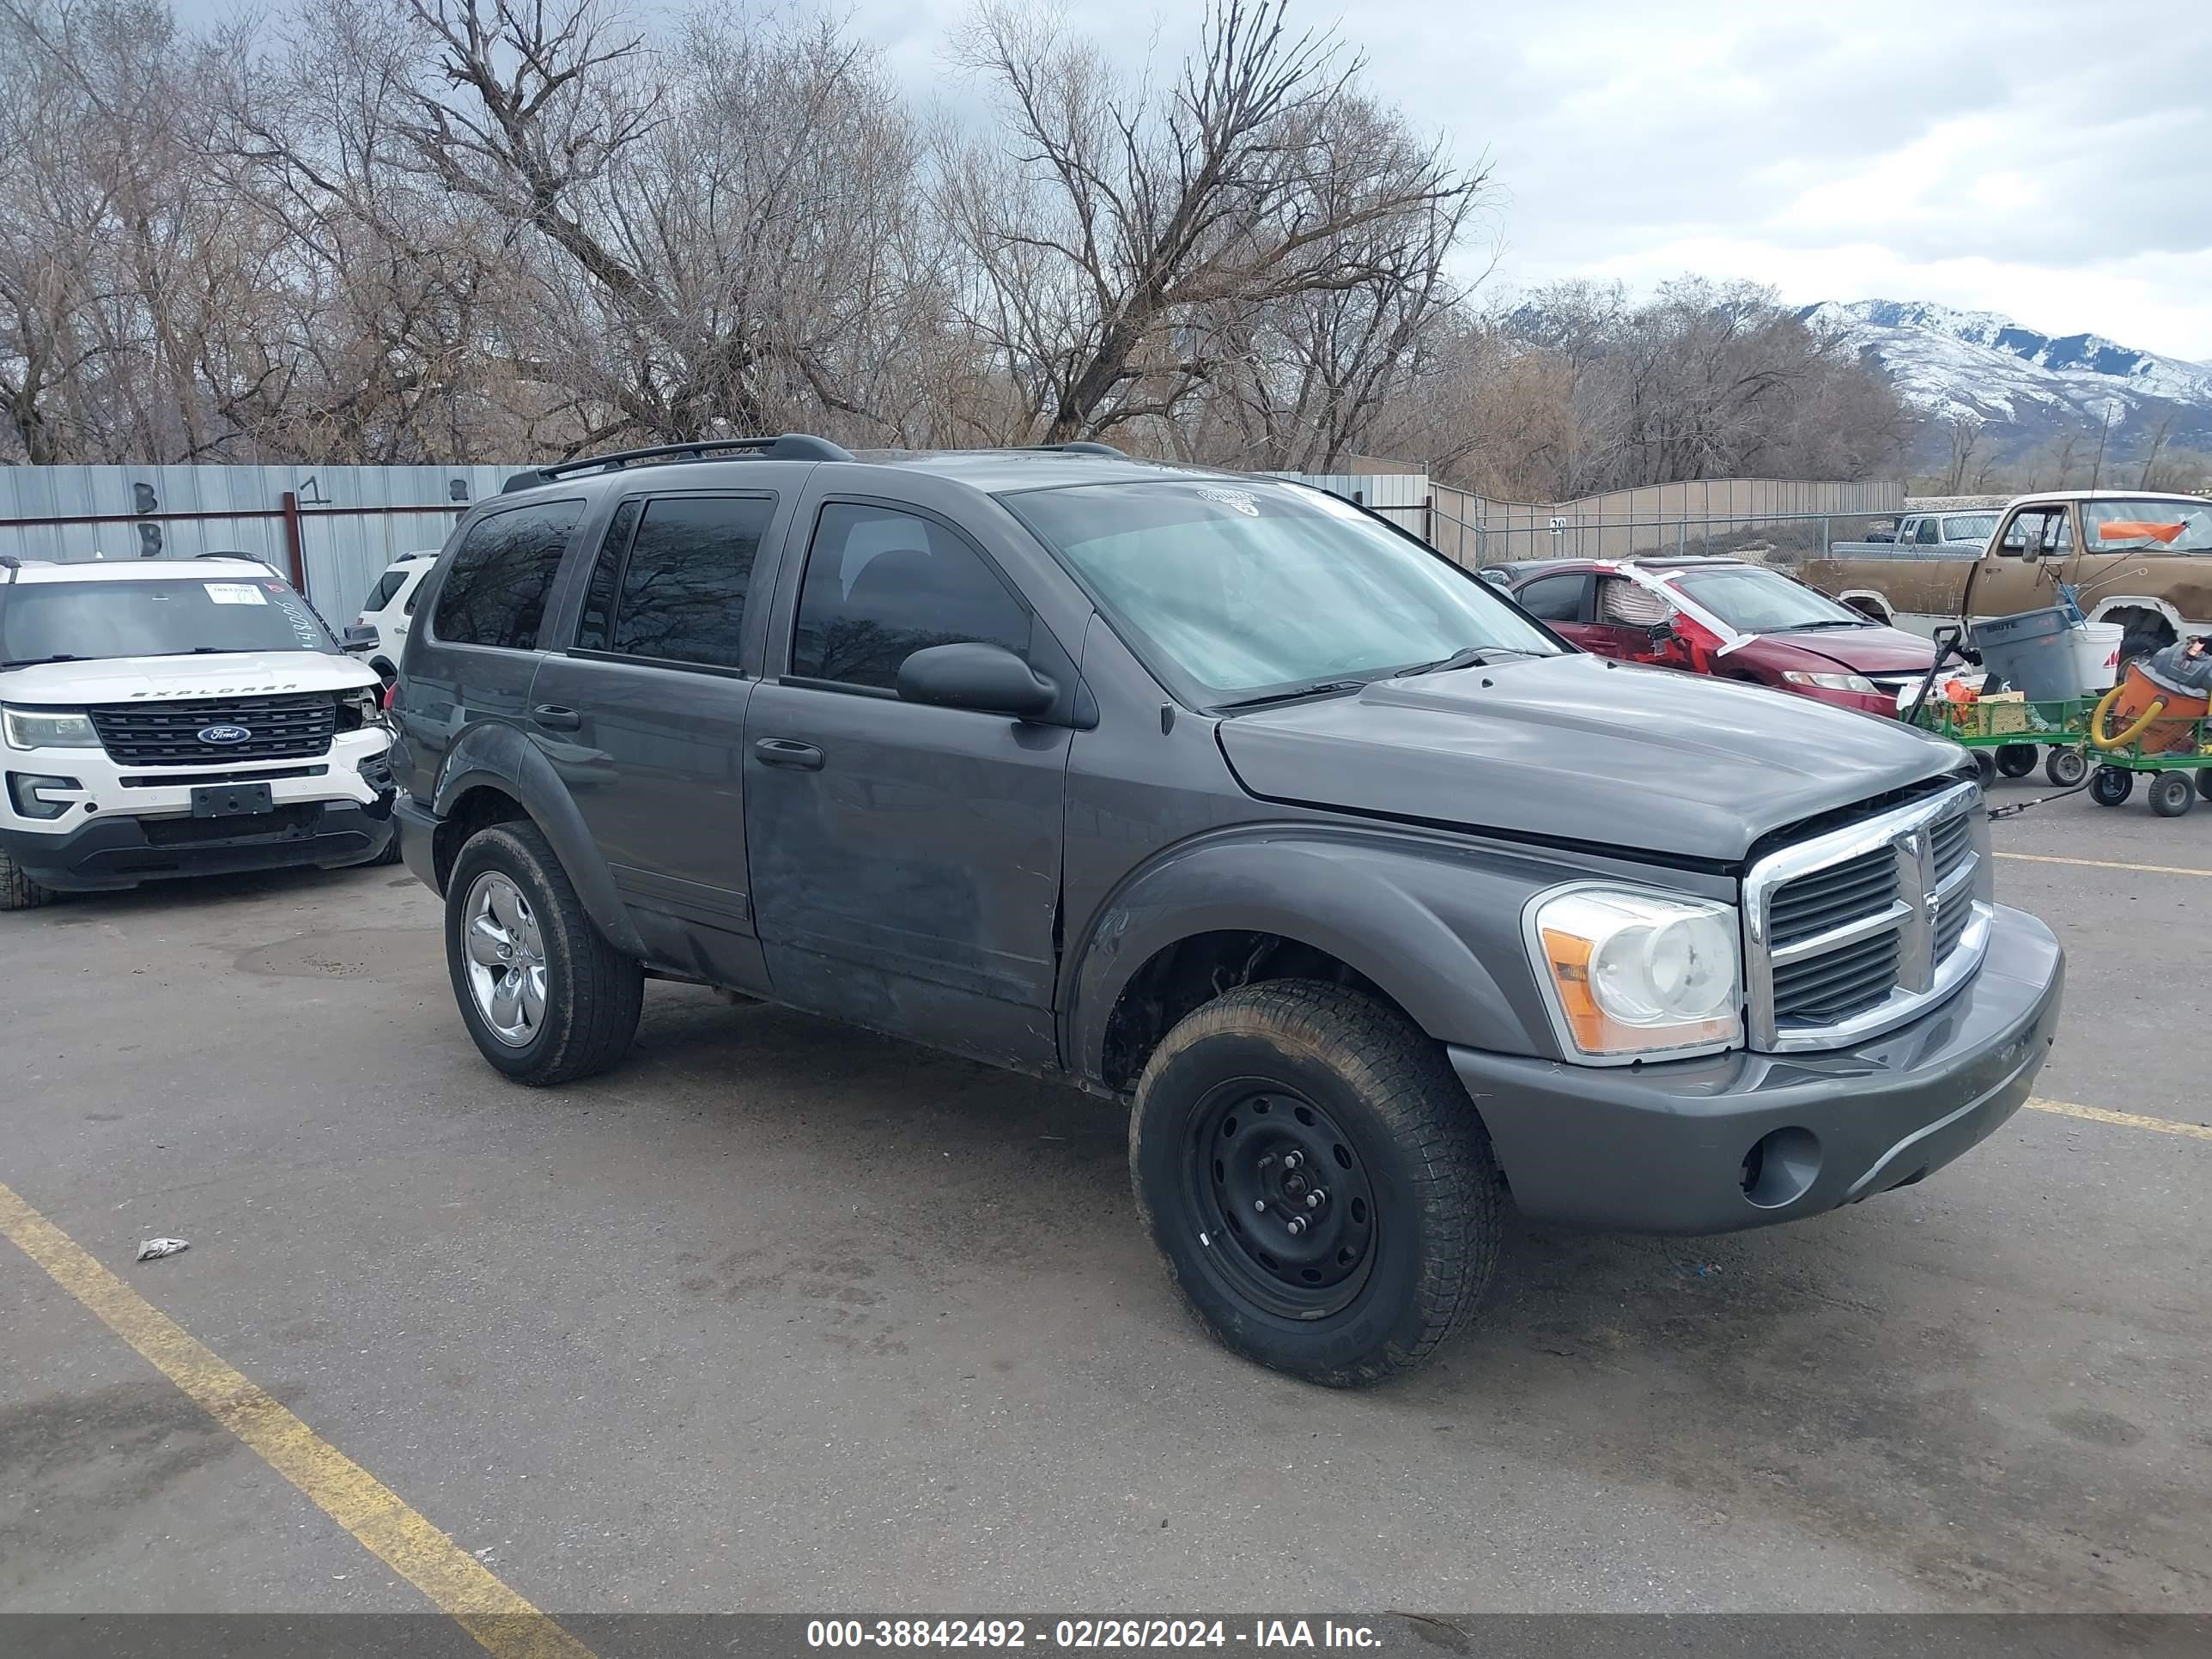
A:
544,995
2066,766
17,890
2017,760
2111,785
1321,1187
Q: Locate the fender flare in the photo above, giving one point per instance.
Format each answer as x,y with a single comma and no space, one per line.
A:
494,755
1424,922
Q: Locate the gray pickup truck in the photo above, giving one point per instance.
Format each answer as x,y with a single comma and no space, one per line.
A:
1377,903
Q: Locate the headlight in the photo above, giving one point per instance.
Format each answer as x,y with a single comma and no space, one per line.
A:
49,728
1833,681
362,706
1630,974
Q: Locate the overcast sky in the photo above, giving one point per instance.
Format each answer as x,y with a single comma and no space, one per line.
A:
2050,160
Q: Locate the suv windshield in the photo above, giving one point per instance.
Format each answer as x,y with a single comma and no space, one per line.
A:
1764,601
2147,527
41,622
1244,590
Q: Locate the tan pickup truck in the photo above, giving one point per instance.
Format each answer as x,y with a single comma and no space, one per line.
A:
2135,558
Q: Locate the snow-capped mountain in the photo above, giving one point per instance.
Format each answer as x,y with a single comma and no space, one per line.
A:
2029,387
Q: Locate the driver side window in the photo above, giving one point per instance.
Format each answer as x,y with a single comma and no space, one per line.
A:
2048,530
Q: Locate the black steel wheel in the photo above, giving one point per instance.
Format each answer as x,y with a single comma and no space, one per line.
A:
1278,1186
2017,760
2111,785
2066,766
2171,793
1316,1180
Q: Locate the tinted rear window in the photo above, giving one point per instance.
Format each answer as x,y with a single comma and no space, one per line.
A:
494,593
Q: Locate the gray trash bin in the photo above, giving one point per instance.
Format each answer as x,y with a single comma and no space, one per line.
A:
2032,651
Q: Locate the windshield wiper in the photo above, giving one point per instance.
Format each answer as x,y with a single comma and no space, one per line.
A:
34,662
1316,688
1467,656
1825,621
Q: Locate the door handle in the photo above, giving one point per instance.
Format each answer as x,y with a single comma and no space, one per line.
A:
782,752
554,718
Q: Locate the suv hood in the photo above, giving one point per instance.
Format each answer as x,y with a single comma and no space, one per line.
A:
165,679
1577,749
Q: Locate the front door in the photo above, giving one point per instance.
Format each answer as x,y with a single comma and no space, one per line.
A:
644,718
2009,580
905,858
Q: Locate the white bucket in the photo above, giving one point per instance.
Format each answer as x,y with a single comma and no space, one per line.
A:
2097,654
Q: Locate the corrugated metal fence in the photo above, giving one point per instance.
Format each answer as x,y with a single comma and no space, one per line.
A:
332,529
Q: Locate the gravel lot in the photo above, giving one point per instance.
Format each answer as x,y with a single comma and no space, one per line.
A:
782,1317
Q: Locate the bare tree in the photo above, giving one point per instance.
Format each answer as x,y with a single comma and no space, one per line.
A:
1963,432
1111,215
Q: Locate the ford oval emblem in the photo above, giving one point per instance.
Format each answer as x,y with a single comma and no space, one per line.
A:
224,734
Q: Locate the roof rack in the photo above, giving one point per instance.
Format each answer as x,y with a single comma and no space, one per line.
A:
1081,447
244,558
789,446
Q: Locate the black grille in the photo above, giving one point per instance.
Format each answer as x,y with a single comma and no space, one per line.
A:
168,733
1823,989
1812,904
1951,921
281,824
1952,840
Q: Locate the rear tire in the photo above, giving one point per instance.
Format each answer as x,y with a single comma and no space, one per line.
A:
2173,793
580,1013
17,890
1985,768
2066,766
2111,785
2204,782
1321,1187
2017,760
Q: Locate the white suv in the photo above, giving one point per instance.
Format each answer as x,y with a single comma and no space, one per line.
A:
179,717
388,612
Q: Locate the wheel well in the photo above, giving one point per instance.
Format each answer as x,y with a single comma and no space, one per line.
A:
476,809
1867,605
2147,625
384,669
1190,973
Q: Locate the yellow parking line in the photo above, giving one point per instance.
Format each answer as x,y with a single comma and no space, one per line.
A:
2165,1125
461,1586
2106,864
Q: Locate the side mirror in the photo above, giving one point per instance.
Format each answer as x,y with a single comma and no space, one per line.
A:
988,678
359,636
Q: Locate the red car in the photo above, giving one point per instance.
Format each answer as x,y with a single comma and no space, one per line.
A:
1722,617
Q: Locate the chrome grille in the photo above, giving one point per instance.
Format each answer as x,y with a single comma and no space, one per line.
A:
1860,929
168,733
1817,990
1813,904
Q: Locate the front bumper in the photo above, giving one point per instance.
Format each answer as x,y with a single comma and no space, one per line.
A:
1669,1148
117,852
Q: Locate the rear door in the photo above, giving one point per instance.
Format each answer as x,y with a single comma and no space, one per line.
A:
1563,599
905,859
643,715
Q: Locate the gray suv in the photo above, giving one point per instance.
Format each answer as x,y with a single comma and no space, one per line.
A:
1375,900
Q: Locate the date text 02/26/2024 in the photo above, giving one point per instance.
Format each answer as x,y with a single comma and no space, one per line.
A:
1271,1634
